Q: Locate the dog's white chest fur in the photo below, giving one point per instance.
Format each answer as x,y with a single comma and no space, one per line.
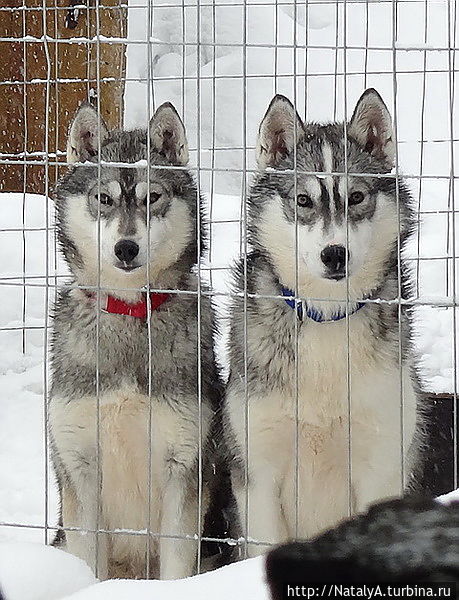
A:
340,371
299,437
126,459
139,449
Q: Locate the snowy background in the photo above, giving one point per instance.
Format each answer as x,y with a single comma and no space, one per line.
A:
227,73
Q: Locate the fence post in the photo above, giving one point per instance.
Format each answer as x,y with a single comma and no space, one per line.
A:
24,68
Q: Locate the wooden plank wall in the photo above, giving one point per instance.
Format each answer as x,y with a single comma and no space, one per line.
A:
72,66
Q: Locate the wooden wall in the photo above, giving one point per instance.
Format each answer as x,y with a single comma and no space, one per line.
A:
72,70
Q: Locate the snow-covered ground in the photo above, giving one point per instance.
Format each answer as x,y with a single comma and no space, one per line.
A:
234,84
241,580
36,572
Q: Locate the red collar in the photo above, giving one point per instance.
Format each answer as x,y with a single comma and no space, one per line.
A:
115,306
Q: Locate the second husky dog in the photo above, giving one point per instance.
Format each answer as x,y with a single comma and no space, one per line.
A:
301,407
102,343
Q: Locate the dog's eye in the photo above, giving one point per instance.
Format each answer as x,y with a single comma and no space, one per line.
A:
356,198
304,201
104,199
154,197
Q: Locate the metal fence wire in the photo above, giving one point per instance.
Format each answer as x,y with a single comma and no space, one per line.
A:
219,63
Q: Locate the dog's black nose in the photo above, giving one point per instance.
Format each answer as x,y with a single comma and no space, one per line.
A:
126,250
334,258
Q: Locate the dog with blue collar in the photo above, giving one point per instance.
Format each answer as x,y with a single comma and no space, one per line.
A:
322,410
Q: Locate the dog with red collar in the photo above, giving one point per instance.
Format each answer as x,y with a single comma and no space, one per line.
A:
133,404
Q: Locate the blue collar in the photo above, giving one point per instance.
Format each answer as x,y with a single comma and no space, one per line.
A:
312,313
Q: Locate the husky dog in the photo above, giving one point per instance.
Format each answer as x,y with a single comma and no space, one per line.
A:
125,429
400,541
304,471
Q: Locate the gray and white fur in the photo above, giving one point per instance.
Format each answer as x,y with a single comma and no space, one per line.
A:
101,361
306,417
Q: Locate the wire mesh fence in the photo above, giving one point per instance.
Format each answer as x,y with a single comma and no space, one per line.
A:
219,64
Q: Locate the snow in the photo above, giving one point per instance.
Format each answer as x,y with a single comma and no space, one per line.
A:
231,106
36,572
241,580
22,374
448,498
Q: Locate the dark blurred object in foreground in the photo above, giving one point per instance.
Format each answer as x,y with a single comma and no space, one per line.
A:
399,541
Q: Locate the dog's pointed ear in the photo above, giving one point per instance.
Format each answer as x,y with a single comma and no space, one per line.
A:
168,136
278,130
86,129
371,126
